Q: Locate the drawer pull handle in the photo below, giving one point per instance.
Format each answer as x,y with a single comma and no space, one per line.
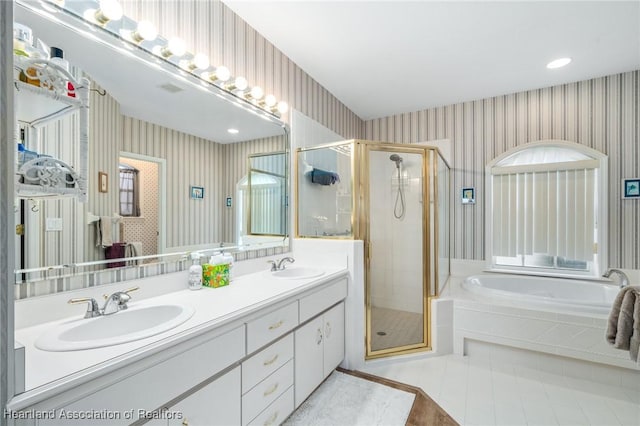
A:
327,330
276,325
271,419
271,390
271,361
319,337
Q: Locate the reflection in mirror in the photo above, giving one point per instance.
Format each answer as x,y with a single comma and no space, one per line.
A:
150,116
265,196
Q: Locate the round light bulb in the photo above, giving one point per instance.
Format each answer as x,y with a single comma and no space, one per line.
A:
175,47
200,61
110,10
223,73
283,107
145,31
270,101
241,83
256,93
558,63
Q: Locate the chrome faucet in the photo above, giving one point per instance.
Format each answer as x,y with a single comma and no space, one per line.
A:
624,279
114,303
279,265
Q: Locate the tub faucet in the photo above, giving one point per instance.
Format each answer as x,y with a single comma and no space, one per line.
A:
624,279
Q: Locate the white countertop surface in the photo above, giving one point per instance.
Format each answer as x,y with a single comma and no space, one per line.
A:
213,308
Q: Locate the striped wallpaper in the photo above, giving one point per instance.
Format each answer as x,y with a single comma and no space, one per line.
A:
602,113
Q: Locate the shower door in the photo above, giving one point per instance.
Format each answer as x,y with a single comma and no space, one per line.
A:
394,218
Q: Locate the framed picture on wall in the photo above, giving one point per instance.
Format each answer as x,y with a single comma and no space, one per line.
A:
197,193
468,195
103,182
631,188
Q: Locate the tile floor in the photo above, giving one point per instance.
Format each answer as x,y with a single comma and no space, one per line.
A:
475,391
401,328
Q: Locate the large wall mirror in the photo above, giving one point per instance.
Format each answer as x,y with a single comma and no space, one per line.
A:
175,164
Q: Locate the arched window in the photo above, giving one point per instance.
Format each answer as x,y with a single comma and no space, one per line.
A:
546,210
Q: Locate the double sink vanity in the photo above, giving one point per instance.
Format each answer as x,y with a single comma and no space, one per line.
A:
247,353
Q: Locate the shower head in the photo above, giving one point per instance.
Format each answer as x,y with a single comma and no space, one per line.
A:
397,159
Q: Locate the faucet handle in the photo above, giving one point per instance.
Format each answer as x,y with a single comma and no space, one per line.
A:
93,310
274,266
131,289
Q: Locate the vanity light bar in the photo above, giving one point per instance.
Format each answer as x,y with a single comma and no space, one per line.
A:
174,50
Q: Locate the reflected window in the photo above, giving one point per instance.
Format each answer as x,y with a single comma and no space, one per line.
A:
546,209
129,191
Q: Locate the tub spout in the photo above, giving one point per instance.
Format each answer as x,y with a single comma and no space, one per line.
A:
624,279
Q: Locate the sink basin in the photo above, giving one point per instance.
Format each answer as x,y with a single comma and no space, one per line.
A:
124,326
297,273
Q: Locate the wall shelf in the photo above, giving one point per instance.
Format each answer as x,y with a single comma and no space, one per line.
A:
48,177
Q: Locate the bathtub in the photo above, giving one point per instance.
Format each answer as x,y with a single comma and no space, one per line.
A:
587,297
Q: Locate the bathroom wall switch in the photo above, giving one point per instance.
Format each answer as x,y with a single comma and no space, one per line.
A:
54,224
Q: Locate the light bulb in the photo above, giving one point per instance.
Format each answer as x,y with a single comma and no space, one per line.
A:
270,101
558,63
200,61
283,107
145,31
240,83
109,10
221,73
174,47
256,93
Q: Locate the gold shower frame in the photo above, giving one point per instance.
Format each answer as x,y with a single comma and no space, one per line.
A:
360,225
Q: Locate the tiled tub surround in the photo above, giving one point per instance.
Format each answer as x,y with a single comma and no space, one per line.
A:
548,330
49,373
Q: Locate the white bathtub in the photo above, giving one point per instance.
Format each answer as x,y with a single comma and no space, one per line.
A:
588,297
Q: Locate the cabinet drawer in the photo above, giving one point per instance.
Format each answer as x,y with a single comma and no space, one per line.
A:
265,362
270,326
267,391
317,302
277,412
218,403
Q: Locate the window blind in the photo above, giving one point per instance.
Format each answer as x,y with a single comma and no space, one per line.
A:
550,212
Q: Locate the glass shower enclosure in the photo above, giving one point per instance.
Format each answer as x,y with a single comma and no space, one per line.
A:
394,197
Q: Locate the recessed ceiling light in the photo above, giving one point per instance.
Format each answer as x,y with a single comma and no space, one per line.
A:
233,131
558,63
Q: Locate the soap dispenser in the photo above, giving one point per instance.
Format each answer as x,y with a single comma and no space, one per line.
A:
195,273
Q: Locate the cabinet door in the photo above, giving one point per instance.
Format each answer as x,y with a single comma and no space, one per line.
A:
333,338
218,403
308,358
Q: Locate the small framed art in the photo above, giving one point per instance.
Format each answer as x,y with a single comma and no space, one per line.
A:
197,193
631,188
103,182
468,195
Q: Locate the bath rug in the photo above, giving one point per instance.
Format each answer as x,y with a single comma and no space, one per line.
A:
344,399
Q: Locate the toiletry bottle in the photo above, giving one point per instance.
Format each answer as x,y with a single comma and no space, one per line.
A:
228,259
195,273
57,57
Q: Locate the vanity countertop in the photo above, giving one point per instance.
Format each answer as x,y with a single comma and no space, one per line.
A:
47,373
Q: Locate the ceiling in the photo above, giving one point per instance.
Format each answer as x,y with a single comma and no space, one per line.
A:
387,57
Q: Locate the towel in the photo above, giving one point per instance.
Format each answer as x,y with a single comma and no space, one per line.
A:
323,177
104,232
115,251
623,327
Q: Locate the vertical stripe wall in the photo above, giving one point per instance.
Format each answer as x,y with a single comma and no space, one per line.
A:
602,113
212,28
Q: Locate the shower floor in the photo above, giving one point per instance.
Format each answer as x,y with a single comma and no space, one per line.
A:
400,328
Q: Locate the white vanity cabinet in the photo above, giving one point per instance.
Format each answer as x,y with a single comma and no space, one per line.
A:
249,370
319,348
